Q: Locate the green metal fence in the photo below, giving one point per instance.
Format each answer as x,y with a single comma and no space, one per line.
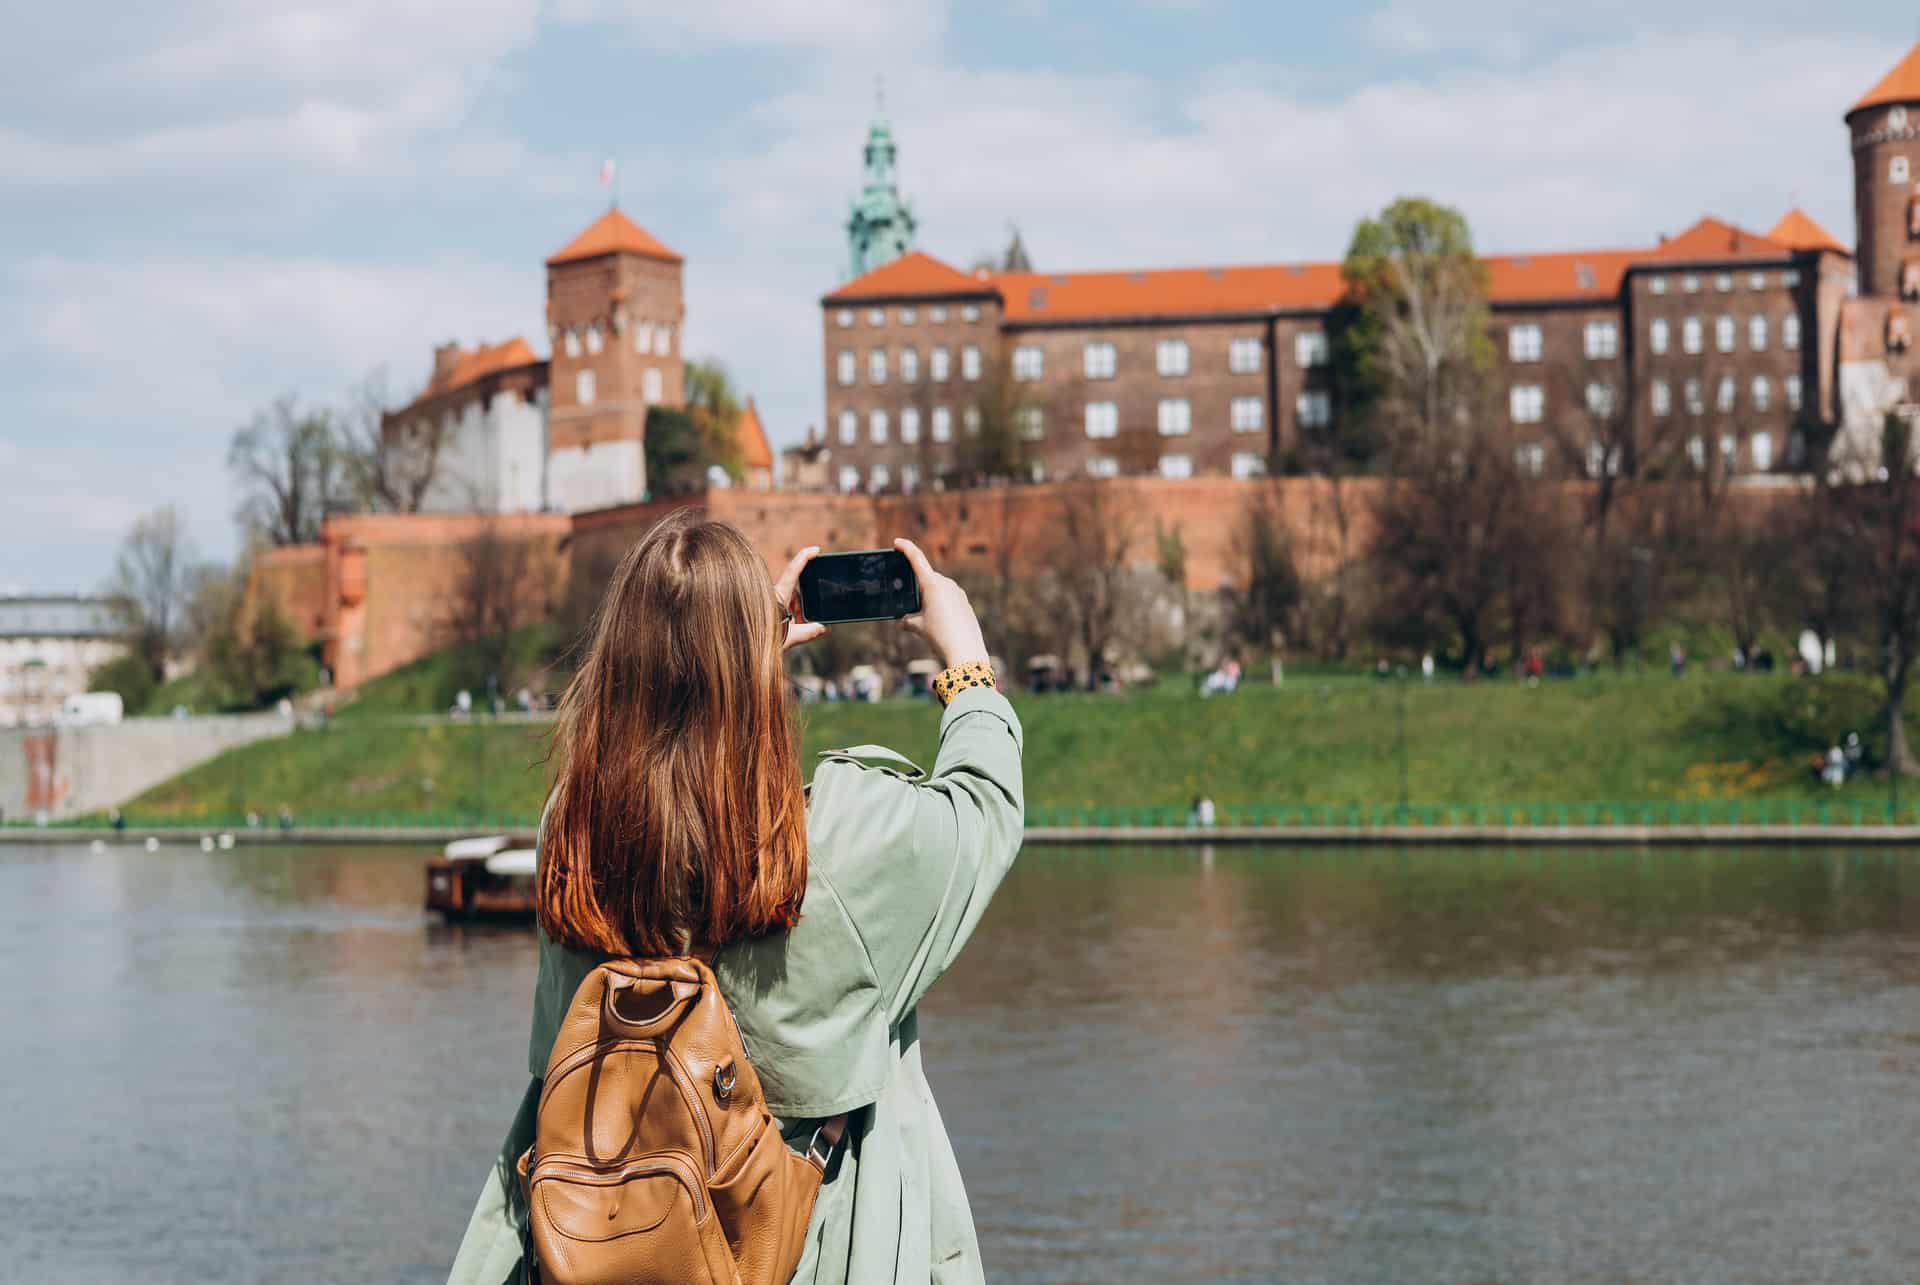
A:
1672,814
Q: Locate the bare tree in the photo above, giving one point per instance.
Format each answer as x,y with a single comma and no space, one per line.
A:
390,462
1263,615
505,583
1088,571
151,582
290,470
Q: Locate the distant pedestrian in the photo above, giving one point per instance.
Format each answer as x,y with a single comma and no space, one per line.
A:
1836,773
286,817
1426,667
1677,658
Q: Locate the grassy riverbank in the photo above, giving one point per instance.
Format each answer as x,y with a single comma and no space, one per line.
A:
1600,738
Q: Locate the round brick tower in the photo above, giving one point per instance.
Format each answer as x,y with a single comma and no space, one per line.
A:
1885,130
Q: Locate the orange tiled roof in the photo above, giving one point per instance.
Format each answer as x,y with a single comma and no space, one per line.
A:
1712,238
752,437
475,364
1901,85
913,273
1036,297
612,233
1796,231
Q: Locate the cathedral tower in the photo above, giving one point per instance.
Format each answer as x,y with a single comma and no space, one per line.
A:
880,228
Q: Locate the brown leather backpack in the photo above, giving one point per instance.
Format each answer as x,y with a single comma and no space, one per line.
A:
655,1158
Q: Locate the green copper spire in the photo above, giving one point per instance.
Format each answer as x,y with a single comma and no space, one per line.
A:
880,227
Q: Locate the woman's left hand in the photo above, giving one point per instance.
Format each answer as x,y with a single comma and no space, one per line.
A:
786,593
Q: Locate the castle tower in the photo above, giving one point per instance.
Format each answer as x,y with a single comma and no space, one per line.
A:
1885,128
614,313
880,228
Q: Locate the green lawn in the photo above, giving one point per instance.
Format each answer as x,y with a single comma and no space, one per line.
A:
1320,742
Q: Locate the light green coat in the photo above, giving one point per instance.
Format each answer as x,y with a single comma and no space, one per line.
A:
900,869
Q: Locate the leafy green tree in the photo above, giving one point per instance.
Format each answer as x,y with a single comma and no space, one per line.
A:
129,675
684,443
1410,336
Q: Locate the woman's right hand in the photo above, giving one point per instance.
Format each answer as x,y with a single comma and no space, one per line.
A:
945,618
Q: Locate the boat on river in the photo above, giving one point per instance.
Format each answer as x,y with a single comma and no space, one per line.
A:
481,878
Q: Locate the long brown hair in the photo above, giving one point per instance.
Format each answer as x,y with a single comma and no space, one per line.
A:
676,810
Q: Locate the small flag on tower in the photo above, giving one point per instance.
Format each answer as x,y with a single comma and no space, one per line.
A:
606,172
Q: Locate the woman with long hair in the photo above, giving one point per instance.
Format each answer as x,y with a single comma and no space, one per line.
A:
678,818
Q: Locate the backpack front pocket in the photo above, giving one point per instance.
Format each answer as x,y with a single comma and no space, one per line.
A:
644,1223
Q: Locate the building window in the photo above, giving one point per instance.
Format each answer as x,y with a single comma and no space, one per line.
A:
1523,343
877,366
938,364
1603,340
583,387
650,389
970,362
1176,466
1176,417
1730,452
942,424
970,420
1724,334
909,425
876,316
1311,348
1528,403
1657,335
1897,172
1103,419
1762,392
909,477
1243,354
1757,333
1313,409
1245,414
643,336
1696,398
1757,281
1762,448
1027,362
1097,360
1102,466
1531,457
878,477
849,478
1657,284
1792,386
663,339
908,316
1723,282
573,342
594,342
937,314
1697,452
843,369
877,426
909,365
1790,278
1033,426
1690,334
1171,357
970,312
1662,397
1790,331
849,428
1248,464
843,318
1600,399
1725,394
1690,283
1600,458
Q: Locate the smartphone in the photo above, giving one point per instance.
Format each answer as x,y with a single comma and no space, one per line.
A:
869,584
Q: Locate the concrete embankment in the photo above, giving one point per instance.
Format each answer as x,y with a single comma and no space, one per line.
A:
1479,836
69,771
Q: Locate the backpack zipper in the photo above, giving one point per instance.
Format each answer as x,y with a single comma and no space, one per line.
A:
548,1167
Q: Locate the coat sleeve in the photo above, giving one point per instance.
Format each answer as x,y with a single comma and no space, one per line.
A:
493,1250
915,862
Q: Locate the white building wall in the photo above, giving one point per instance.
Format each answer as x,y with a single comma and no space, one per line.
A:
581,478
520,436
493,459
38,674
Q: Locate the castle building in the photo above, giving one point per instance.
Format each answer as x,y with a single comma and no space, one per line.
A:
1734,346
880,225
510,431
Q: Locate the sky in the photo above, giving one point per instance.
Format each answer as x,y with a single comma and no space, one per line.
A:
208,204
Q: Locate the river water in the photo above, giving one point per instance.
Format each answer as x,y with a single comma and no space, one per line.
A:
1171,1065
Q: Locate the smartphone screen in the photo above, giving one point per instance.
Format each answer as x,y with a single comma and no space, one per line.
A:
872,584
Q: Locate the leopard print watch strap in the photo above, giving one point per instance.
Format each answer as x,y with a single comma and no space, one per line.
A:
949,683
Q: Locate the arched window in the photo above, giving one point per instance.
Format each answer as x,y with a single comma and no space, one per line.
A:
650,385
1897,171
